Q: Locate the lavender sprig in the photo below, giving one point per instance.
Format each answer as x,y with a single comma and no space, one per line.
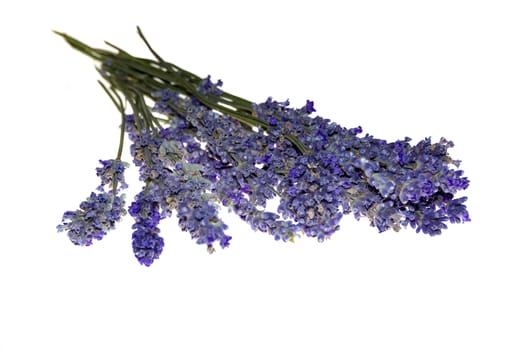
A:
198,147
101,210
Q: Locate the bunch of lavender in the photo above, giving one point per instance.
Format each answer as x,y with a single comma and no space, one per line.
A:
198,148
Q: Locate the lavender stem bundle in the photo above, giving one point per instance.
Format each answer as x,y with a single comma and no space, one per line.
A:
199,148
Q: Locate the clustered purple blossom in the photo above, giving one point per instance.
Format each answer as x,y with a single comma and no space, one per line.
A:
205,159
393,184
170,166
99,212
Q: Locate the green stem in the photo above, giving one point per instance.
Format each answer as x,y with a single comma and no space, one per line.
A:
117,101
122,133
137,78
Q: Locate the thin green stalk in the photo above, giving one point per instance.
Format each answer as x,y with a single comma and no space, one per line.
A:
137,78
117,101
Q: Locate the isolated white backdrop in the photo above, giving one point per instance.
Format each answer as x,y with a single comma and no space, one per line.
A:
403,68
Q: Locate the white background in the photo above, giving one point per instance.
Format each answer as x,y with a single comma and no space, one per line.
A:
397,68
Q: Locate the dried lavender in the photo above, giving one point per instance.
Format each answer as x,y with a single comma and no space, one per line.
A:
101,210
198,148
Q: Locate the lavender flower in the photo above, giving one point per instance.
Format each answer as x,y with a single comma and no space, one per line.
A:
208,87
112,173
146,242
198,147
100,211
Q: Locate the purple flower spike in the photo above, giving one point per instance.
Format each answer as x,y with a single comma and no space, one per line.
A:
100,211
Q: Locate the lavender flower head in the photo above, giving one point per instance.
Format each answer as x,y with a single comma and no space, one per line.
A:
198,148
101,210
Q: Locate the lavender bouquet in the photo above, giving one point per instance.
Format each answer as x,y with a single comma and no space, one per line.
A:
198,148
